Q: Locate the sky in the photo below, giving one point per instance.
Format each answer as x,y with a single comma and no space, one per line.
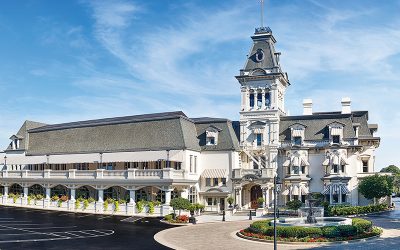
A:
64,61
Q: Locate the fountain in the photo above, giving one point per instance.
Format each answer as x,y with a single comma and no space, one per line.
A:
314,217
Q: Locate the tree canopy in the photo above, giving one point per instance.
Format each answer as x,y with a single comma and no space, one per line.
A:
376,186
180,203
391,169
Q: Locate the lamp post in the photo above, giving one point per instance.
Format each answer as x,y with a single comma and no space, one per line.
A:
277,188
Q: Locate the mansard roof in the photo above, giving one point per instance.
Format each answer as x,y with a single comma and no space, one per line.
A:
227,139
22,133
161,131
317,124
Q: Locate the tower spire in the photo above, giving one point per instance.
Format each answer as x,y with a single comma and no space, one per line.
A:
262,13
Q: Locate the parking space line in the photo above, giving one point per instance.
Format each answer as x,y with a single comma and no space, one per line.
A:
104,217
86,215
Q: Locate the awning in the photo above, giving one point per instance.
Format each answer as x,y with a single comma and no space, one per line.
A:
326,162
336,131
286,192
304,190
327,190
336,189
343,161
295,190
344,189
286,163
299,161
297,133
214,173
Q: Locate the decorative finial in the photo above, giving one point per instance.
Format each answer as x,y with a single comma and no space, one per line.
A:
262,29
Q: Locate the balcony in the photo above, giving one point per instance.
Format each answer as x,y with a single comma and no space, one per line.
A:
259,173
99,174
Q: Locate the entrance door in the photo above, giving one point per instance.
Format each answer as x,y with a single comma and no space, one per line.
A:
255,193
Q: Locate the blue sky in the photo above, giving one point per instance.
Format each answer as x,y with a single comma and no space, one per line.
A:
73,60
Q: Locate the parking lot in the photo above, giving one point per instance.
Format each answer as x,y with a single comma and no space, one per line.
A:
41,229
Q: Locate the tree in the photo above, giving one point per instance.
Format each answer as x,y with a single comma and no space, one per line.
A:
376,186
294,204
391,169
180,204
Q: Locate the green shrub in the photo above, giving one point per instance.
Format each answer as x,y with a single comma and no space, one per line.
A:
85,204
330,231
347,230
105,205
294,204
116,206
77,204
168,217
230,200
150,204
362,225
140,205
59,202
54,198
343,210
91,200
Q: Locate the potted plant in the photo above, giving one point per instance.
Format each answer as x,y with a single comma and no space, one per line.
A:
260,202
230,200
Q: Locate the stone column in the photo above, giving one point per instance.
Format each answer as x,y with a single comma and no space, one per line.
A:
46,202
267,197
25,197
263,99
71,202
167,197
131,205
99,203
5,196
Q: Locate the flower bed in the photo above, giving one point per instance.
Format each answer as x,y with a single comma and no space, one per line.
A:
181,219
263,230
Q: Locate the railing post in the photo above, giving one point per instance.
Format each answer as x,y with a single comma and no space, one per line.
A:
99,173
25,174
46,173
166,173
5,173
131,173
71,173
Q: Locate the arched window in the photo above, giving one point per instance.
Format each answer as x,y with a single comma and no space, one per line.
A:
36,189
141,194
15,189
82,192
59,191
160,196
174,194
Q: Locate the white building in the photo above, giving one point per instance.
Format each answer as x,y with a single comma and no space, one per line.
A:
165,155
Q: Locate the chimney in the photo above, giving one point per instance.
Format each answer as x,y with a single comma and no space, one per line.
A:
307,107
346,109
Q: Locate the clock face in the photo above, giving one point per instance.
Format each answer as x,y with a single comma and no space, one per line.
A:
259,55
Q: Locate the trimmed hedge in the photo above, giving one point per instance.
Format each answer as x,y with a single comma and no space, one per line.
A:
362,225
350,210
358,226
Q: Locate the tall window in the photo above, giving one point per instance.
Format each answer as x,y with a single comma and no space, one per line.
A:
252,100
259,100
191,164
223,181
342,168
208,182
216,181
303,169
268,100
297,140
259,139
193,195
195,164
295,169
336,138
365,166
335,168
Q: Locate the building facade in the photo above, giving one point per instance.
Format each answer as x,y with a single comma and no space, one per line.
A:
157,157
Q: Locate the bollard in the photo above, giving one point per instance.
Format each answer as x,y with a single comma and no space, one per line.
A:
250,218
223,215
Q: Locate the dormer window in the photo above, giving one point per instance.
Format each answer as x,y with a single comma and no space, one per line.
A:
297,134
297,140
15,142
212,135
335,133
336,139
